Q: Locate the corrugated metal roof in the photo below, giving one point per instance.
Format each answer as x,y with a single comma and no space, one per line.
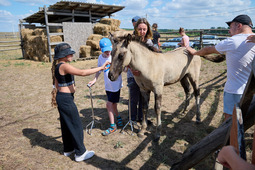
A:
81,11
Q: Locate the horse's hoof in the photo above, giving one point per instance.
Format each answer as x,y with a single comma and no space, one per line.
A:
198,122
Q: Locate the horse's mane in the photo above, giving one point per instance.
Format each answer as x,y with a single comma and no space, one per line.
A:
137,39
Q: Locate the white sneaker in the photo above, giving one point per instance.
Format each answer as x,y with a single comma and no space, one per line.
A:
68,153
85,156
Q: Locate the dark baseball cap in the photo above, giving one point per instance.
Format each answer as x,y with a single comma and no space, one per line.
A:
62,50
135,19
243,19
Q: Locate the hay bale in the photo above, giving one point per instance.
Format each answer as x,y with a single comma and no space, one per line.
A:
95,37
25,33
102,29
56,29
110,21
96,53
35,46
94,44
40,31
85,51
56,39
113,23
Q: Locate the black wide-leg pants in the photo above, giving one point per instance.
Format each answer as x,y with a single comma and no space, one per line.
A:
71,125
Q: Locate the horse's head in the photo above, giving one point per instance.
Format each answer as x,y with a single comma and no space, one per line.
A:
120,53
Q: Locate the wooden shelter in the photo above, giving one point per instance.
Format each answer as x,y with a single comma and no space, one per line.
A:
75,19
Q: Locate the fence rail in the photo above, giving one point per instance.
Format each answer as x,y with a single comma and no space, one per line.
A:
10,40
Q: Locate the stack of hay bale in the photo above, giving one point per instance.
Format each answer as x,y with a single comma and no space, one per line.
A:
101,29
35,44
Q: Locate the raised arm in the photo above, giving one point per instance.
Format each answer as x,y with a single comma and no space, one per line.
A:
203,51
68,69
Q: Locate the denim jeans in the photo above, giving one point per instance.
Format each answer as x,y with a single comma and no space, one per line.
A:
135,100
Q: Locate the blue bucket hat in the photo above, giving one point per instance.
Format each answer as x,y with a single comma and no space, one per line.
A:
62,50
105,44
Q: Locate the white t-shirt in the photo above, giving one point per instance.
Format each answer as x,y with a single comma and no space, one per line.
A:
112,86
239,56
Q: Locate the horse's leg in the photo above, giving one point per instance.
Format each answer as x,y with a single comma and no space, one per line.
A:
197,97
186,86
157,107
145,106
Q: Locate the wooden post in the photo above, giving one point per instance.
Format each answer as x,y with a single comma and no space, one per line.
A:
234,131
201,40
48,31
21,39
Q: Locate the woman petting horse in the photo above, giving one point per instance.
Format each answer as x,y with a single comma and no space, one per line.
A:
156,71
142,30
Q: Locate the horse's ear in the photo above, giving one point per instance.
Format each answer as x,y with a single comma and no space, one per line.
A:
128,39
110,35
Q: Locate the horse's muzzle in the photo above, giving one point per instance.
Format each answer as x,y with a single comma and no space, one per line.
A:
110,76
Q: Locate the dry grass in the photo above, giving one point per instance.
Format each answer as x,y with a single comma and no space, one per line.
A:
30,130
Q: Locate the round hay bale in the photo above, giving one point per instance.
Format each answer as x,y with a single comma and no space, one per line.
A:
93,44
85,51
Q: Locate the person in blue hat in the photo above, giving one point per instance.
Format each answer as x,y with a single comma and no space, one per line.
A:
63,96
112,88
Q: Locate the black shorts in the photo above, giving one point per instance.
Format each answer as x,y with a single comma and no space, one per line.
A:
113,97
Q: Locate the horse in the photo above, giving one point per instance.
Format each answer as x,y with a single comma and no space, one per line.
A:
156,71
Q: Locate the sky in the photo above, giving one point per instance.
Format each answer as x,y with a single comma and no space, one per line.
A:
168,14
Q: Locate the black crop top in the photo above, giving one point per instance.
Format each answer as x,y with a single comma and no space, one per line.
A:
65,80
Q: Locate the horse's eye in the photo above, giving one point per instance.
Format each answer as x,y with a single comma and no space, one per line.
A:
121,56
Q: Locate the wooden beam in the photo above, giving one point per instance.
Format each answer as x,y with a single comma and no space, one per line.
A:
234,131
209,144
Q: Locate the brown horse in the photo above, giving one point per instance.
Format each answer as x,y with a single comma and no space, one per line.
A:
157,70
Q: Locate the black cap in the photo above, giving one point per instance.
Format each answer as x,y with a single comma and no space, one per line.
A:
62,50
243,19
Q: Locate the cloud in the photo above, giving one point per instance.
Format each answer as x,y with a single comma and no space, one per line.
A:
135,4
37,2
5,3
156,3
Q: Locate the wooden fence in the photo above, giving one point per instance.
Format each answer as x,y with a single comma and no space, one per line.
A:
10,41
193,34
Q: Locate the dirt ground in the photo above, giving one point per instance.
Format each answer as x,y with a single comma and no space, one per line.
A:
30,129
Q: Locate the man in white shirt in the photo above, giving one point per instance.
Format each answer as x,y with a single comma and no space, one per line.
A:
239,55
